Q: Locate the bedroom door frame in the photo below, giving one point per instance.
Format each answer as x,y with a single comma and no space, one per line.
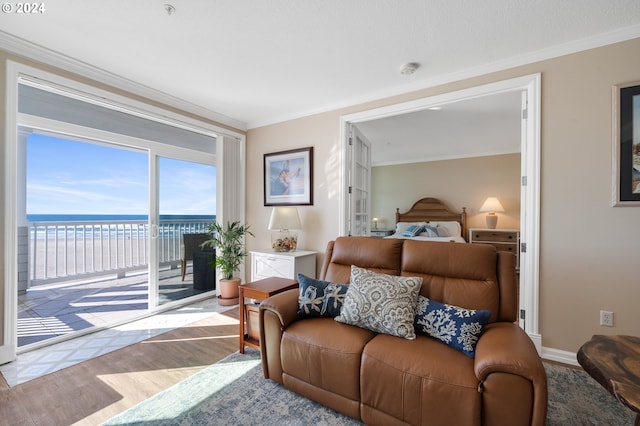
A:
530,85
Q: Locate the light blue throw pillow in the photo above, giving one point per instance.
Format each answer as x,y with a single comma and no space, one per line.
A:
413,230
457,327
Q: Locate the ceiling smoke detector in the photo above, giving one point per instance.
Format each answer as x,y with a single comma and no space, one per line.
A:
410,68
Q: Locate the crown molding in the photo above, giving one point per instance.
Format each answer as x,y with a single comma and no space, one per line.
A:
587,43
37,53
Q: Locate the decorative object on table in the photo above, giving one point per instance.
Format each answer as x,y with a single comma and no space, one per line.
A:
282,221
626,144
375,223
230,253
288,177
492,205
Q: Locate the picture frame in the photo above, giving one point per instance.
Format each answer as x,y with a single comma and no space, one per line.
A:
626,144
288,177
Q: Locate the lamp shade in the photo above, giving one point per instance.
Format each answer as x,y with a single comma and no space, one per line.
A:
284,218
492,205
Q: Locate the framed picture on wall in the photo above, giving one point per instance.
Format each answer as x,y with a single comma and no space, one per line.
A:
626,144
288,177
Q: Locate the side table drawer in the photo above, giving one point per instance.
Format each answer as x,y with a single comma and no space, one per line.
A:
268,266
499,237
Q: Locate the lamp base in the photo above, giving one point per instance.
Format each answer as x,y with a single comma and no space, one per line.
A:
492,221
284,241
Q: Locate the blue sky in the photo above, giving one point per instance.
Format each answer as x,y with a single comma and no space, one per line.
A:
68,177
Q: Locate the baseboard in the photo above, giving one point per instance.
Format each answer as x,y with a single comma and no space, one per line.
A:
537,341
558,355
7,353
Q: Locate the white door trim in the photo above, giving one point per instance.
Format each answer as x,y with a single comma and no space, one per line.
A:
530,153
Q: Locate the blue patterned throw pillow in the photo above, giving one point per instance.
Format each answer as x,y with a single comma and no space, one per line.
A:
413,230
319,298
381,303
457,327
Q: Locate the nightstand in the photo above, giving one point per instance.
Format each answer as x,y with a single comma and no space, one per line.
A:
381,232
501,239
265,264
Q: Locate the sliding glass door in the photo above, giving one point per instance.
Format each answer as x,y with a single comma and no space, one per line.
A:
186,205
127,188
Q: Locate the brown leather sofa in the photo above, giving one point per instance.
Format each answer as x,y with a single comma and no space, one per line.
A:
387,380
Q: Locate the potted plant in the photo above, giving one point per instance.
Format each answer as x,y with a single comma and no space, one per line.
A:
230,253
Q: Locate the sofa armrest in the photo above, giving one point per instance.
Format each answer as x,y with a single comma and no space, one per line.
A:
276,314
284,305
505,348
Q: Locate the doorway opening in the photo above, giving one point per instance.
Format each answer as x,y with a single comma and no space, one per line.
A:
529,147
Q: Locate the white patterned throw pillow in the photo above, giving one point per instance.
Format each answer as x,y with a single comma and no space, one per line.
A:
381,303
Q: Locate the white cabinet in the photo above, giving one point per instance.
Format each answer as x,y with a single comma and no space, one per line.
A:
265,264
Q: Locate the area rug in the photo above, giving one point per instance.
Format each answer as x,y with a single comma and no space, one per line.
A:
233,391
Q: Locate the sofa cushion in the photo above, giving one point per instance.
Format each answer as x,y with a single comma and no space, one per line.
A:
457,327
421,381
319,298
325,354
456,274
381,303
375,254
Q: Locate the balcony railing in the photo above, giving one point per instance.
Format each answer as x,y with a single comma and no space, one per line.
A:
60,251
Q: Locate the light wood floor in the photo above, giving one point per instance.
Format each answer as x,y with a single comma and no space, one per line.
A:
96,390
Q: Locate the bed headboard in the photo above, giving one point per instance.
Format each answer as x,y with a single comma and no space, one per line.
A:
432,209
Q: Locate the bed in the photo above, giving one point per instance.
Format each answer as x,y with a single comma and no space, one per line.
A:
430,219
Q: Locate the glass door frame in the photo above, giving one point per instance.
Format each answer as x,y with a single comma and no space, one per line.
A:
15,71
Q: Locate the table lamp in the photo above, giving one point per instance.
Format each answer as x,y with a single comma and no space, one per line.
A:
283,220
492,205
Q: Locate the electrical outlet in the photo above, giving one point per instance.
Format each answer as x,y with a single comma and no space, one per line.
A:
606,318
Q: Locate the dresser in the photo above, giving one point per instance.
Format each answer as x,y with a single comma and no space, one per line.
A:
267,263
501,239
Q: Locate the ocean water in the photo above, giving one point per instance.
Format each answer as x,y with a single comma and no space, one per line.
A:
112,217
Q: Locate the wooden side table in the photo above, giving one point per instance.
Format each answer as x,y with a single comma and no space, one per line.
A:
259,290
614,362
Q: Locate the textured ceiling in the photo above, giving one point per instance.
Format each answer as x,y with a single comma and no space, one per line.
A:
264,61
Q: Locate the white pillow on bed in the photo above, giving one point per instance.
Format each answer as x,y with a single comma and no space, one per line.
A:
448,228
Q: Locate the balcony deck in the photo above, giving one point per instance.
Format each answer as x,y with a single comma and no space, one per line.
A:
49,311
74,276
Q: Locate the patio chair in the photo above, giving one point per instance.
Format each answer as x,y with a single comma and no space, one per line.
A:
190,243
